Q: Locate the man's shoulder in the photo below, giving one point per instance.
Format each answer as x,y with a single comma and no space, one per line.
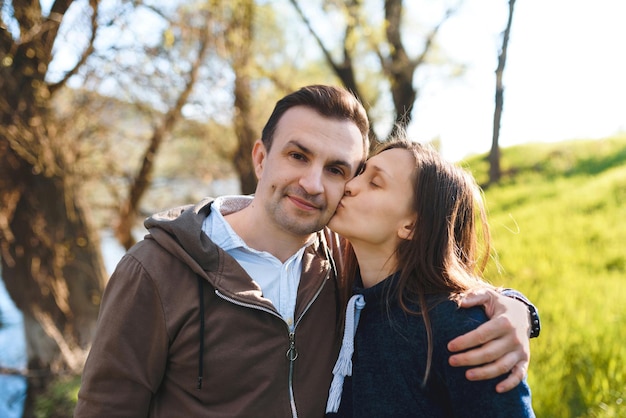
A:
333,240
176,212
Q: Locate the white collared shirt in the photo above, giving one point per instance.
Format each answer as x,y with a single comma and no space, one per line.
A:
278,281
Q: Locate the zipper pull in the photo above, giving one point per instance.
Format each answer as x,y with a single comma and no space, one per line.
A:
292,353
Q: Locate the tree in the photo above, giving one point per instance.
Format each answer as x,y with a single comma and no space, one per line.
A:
50,255
239,48
164,122
397,65
495,172
50,134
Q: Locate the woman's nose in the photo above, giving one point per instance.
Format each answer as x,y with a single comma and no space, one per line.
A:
349,188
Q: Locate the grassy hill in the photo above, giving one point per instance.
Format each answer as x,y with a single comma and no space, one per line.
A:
559,228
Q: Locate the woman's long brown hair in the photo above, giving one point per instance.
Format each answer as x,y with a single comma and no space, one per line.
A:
442,257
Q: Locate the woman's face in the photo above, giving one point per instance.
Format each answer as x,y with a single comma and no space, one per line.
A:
377,206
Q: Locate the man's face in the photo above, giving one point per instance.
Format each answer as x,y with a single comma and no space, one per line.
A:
302,177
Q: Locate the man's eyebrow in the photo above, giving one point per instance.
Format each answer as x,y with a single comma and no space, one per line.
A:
297,144
306,150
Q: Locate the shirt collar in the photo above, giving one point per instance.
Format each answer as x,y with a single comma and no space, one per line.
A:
223,235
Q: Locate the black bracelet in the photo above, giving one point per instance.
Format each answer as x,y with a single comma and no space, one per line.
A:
533,315
535,324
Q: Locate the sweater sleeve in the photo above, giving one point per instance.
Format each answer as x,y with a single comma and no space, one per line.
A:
129,352
471,398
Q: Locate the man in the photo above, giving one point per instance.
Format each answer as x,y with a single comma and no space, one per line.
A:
231,307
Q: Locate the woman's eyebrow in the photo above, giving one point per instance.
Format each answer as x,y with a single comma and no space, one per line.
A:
377,169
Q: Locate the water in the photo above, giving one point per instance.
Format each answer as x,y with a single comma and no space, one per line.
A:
112,251
12,356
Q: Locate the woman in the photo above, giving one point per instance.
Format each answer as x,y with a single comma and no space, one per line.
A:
410,218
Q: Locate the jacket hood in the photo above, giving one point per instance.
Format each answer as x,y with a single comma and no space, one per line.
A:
179,231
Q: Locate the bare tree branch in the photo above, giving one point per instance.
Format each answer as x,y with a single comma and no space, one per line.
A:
345,69
317,38
86,53
140,183
430,38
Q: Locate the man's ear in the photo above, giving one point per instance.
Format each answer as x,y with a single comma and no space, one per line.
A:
259,154
405,231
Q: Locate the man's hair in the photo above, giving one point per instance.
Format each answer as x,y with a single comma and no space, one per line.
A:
330,101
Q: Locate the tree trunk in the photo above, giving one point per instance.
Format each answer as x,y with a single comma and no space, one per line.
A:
51,266
245,135
50,257
399,68
495,172
241,52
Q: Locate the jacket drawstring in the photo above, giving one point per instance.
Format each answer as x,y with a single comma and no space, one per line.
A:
343,367
201,354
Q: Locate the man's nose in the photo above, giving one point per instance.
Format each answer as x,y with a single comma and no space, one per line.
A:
311,181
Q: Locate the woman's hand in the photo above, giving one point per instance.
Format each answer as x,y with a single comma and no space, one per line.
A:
500,345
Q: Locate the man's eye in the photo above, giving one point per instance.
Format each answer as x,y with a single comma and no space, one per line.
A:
336,171
297,156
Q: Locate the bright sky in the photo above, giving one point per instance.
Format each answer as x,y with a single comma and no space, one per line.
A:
565,76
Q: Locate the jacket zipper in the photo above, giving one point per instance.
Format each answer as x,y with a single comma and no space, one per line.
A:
292,353
246,305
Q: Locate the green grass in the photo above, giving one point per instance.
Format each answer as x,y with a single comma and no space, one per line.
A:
559,228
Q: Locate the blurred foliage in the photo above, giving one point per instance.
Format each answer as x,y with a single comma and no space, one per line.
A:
558,221
110,136
59,399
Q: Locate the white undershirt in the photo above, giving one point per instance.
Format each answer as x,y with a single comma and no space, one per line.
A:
278,281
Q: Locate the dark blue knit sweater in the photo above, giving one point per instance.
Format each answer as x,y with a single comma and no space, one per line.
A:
389,361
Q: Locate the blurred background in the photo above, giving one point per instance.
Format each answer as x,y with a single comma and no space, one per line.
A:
111,110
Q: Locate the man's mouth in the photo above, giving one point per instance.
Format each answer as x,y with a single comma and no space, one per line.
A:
303,203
